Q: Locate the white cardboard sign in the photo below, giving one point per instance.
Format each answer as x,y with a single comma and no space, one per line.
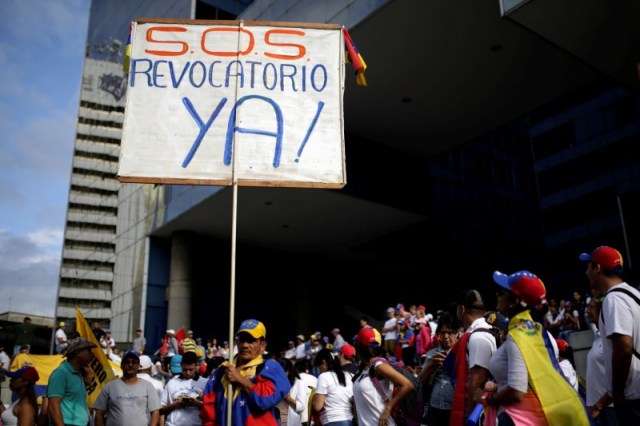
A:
213,101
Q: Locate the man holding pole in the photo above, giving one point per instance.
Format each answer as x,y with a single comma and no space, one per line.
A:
258,385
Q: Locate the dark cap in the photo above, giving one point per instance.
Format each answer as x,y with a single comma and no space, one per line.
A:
498,320
131,355
77,344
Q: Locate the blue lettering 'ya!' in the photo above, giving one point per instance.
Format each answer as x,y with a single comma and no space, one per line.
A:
231,128
201,125
309,130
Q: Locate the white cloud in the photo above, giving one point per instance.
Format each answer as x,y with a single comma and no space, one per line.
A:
42,46
46,237
29,272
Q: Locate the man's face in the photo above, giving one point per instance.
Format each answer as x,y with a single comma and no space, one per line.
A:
85,356
592,273
249,348
130,367
189,370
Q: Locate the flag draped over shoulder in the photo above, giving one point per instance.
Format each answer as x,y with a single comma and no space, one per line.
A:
355,58
100,365
560,402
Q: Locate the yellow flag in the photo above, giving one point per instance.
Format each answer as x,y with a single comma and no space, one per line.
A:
100,365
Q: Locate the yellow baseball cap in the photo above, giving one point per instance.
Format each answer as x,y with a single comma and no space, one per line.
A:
254,327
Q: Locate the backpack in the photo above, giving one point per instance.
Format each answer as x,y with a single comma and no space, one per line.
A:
410,410
495,331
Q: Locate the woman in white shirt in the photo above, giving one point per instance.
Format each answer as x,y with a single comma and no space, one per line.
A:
333,400
297,399
372,408
565,360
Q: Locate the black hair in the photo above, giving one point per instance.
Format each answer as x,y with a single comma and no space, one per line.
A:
289,368
332,362
189,358
471,299
568,354
609,273
212,364
366,353
447,319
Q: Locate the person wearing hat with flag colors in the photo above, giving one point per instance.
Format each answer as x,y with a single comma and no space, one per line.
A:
619,326
530,387
25,408
372,408
257,385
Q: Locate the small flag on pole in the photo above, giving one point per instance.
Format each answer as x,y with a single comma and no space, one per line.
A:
355,58
127,52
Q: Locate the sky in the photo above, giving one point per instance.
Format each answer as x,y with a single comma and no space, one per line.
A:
41,59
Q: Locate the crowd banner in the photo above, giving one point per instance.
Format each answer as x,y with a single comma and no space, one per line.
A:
224,102
100,366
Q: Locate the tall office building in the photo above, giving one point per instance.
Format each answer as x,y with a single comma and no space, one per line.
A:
100,210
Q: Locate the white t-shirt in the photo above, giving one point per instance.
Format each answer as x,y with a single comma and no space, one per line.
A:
175,389
338,400
157,384
369,402
393,333
481,345
300,413
596,381
5,361
301,352
508,358
309,379
569,372
61,335
622,316
508,367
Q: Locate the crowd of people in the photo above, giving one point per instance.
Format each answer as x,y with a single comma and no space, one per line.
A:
508,365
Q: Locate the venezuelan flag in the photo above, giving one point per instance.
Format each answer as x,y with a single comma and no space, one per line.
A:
355,58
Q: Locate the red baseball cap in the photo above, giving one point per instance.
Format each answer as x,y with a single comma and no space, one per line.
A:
524,284
562,345
348,351
605,256
368,336
28,374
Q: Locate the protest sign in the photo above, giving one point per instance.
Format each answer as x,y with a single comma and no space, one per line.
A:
218,102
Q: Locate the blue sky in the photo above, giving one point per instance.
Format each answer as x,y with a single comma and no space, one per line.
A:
41,58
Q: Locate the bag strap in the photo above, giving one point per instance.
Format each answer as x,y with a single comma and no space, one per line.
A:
631,295
375,380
